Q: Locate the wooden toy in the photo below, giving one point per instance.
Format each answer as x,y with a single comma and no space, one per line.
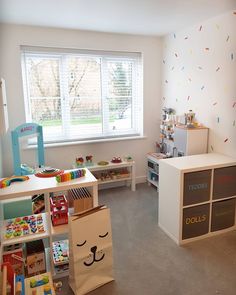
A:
19,285
80,162
15,257
103,163
8,279
22,226
80,199
59,210
27,129
7,181
40,285
71,175
60,252
49,172
35,258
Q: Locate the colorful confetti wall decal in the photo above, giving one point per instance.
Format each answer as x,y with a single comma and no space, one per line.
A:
186,38
202,87
217,69
234,104
188,97
182,68
175,36
232,56
215,103
226,140
218,119
227,39
200,28
164,61
207,48
200,68
176,54
212,148
234,123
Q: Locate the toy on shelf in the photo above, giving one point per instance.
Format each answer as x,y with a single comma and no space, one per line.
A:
60,252
35,258
103,163
80,162
14,255
23,226
38,203
20,285
128,159
40,285
116,160
7,181
59,210
71,175
8,279
28,129
89,161
49,172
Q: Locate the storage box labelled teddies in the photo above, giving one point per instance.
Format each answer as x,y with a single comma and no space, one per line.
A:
196,187
90,250
195,221
223,214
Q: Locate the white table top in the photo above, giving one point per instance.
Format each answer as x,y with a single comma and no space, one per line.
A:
36,185
196,162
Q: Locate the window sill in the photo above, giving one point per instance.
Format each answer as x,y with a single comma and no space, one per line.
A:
60,144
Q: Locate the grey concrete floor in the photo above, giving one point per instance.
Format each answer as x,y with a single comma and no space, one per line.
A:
147,262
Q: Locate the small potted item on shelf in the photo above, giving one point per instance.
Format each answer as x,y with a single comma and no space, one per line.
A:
89,161
116,160
80,162
128,159
103,163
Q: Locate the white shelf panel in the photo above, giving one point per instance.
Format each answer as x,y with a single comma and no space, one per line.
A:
114,180
111,166
153,182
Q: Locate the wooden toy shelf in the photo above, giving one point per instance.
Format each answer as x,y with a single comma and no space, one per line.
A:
45,186
129,177
197,196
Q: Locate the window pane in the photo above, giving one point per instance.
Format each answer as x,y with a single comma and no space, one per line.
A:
84,89
120,95
44,93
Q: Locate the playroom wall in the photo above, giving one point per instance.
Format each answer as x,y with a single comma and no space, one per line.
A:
199,73
63,157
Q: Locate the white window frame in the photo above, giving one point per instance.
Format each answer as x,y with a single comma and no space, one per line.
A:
137,125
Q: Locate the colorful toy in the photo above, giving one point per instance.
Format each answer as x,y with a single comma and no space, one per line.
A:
116,160
14,255
19,285
49,172
89,161
21,131
59,210
103,163
71,175
80,162
40,285
22,226
7,181
60,252
35,258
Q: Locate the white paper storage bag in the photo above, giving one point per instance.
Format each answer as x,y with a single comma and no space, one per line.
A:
90,246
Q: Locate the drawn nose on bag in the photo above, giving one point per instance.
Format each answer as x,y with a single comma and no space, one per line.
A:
94,249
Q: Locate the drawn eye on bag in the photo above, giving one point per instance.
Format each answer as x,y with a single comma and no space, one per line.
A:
94,256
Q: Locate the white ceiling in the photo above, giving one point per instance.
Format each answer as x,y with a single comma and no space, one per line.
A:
146,17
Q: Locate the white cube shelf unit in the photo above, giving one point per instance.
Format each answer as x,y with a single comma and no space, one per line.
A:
45,186
197,196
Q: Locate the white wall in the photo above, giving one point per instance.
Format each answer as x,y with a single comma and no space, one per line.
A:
62,157
199,73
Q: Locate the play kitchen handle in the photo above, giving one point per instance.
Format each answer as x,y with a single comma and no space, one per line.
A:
90,250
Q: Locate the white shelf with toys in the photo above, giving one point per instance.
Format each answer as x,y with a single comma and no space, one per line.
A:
39,227
109,172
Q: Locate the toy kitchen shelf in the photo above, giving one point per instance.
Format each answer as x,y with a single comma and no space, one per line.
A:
46,186
197,196
153,168
113,167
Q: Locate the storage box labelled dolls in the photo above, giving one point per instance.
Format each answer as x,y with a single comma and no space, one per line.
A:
35,258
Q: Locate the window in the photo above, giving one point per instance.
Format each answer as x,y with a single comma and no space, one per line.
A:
83,95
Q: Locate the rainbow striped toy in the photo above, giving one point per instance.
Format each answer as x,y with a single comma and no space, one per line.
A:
7,181
71,175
